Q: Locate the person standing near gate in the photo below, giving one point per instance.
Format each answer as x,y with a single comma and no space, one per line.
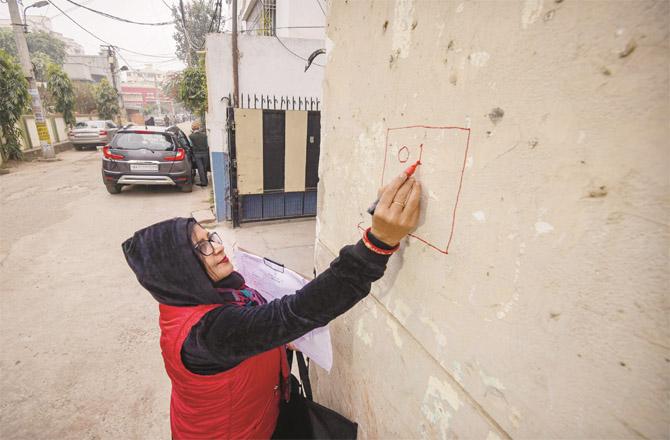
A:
200,150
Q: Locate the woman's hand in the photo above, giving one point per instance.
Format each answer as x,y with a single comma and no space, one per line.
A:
397,212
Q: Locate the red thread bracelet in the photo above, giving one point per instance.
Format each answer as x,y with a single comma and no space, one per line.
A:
377,250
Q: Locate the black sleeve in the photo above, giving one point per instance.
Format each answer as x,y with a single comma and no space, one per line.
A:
229,334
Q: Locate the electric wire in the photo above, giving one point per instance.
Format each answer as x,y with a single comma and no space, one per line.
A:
320,7
183,23
104,41
295,54
125,20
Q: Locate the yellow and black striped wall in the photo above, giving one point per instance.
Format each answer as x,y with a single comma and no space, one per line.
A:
277,158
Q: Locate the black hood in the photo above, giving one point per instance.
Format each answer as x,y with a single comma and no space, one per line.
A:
165,263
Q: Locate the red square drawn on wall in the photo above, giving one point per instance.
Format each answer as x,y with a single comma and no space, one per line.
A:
443,152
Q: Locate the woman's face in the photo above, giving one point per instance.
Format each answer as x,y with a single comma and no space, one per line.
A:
217,264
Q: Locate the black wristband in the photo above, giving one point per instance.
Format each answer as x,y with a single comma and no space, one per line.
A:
377,242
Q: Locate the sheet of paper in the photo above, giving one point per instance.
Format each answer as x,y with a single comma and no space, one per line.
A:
274,281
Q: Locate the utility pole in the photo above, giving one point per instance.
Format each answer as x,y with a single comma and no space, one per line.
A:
236,85
158,94
111,58
24,56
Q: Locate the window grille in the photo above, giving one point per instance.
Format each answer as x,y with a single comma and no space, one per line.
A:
262,19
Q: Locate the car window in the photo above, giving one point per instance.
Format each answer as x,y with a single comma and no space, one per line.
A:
110,125
136,141
182,139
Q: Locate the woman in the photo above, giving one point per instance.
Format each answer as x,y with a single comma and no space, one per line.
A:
223,345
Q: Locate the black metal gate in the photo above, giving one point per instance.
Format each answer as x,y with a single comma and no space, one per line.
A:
274,202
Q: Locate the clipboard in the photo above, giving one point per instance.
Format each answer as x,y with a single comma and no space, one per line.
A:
273,281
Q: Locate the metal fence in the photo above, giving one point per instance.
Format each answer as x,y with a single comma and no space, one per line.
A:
274,102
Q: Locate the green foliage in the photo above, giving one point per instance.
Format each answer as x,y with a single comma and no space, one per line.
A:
84,97
15,100
41,63
43,48
107,100
149,109
62,92
42,42
193,89
171,85
198,17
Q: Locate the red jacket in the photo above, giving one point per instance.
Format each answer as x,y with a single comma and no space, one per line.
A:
241,403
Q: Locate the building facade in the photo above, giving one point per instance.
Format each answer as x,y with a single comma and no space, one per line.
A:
279,105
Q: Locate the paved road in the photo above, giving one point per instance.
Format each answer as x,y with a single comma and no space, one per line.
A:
78,335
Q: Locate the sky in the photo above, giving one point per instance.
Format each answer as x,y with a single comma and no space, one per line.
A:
152,40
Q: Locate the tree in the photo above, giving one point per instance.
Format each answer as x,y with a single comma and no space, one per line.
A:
84,97
193,89
149,109
43,48
107,100
41,63
15,100
62,92
200,19
171,85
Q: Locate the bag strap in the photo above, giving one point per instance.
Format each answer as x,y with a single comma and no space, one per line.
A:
304,375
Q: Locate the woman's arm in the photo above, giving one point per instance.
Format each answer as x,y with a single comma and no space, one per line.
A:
227,335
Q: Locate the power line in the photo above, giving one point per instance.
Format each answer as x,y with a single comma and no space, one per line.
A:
100,39
295,54
104,14
320,7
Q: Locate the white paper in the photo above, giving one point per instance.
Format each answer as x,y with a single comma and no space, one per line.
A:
274,281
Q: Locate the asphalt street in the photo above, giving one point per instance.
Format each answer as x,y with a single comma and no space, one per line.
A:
79,336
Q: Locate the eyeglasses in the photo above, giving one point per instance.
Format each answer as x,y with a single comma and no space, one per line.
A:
206,247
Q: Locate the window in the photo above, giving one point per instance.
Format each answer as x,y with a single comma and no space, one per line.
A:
262,17
110,124
90,124
138,141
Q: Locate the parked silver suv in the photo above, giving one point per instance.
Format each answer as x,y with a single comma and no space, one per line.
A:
148,156
92,133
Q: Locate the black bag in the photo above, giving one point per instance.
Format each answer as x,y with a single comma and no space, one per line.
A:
302,418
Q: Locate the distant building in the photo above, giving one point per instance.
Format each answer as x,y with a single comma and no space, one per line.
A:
88,68
141,88
43,23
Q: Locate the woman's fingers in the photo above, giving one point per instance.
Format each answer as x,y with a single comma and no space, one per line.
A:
391,189
400,199
411,210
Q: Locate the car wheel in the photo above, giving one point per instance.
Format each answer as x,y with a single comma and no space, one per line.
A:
113,189
187,188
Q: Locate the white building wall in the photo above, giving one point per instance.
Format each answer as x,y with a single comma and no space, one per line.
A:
295,19
265,67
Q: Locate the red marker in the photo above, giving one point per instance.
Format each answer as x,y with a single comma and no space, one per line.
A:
409,171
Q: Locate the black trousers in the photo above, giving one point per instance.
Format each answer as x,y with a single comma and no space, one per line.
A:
202,163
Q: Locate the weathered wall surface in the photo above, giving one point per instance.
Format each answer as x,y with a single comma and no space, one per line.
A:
548,318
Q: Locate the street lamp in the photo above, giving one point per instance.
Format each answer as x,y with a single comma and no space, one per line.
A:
39,4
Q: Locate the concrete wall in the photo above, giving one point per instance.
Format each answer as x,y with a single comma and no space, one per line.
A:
30,139
548,317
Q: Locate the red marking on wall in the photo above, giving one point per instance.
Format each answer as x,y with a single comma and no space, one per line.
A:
403,154
444,249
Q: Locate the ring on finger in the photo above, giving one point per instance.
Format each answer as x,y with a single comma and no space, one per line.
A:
399,203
